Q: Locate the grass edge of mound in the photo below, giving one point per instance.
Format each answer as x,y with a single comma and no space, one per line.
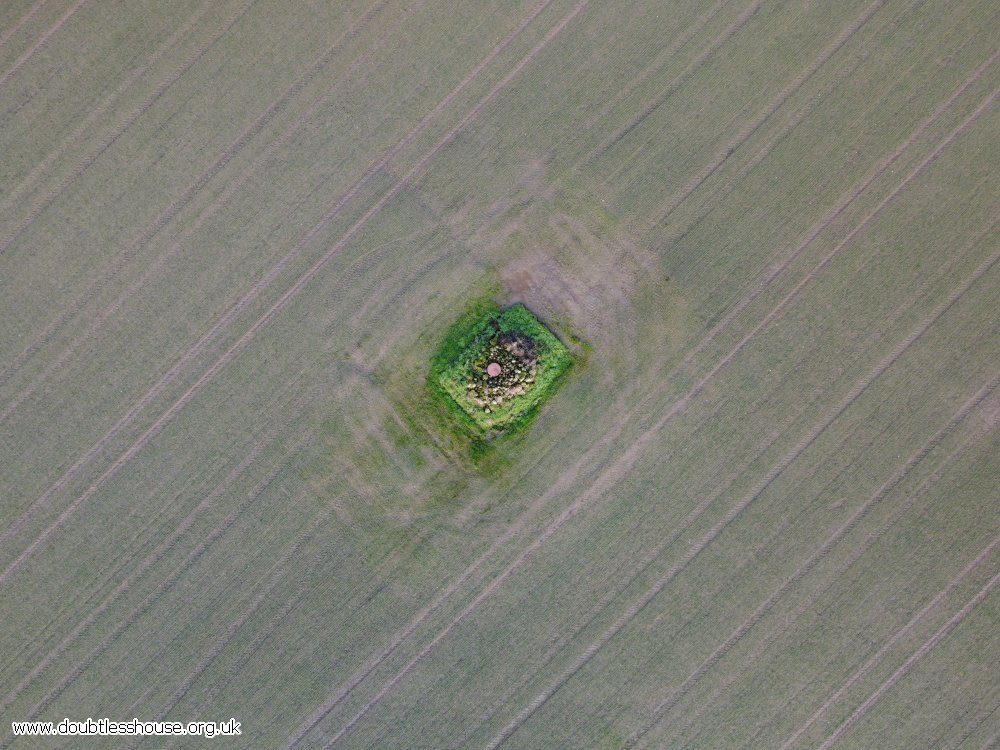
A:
456,341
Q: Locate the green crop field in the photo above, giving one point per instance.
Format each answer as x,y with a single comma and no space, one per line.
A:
762,507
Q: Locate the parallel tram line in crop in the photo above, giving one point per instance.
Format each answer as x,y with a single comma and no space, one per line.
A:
921,652
897,477
785,131
636,607
990,744
41,43
174,209
620,466
254,646
292,413
884,650
277,572
39,207
161,589
768,639
823,224
97,112
664,55
773,106
658,101
264,283
32,11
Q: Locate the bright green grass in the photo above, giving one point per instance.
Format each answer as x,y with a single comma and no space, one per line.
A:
459,361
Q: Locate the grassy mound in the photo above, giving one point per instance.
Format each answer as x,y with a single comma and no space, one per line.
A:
531,361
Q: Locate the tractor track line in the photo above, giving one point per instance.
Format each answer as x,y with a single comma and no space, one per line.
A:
867,543
99,111
165,547
741,171
171,213
661,58
888,645
991,744
927,646
672,87
807,567
696,549
276,573
240,662
168,583
290,604
41,42
622,465
93,156
256,290
682,526
819,227
961,741
765,114
21,21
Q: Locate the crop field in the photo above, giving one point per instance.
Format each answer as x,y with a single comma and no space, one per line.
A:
762,507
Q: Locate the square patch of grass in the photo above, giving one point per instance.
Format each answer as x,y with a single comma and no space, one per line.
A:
496,367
